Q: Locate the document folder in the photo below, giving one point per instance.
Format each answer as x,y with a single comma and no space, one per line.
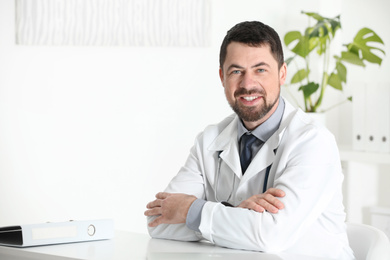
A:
56,233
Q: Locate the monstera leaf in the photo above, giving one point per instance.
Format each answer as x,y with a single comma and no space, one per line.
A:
302,46
361,49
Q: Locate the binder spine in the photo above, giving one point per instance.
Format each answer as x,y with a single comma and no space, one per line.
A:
57,233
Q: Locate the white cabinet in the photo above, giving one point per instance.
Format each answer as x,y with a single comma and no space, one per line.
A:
380,218
366,184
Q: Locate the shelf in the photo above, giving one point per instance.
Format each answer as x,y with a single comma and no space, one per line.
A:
348,154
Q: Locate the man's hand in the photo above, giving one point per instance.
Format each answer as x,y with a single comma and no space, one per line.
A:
266,201
171,208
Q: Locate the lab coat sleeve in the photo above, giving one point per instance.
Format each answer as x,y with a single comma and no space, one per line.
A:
309,172
189,180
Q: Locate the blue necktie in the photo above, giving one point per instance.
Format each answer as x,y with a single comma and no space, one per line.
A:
246,153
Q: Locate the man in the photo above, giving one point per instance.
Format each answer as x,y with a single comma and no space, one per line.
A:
267,178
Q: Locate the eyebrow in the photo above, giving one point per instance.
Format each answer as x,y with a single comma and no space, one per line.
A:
254,66
234,66
260,64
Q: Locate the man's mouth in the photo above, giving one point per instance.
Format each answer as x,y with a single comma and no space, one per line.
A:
250,98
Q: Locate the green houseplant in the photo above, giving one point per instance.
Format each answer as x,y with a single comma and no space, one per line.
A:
317,39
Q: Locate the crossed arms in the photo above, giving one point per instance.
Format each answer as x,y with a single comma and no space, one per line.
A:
172,208
306,192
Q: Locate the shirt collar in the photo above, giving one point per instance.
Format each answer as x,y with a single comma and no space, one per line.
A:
266,129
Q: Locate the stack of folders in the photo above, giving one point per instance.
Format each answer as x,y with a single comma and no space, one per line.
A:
56,233
371,117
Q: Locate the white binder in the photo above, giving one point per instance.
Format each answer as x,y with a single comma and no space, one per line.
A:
359,131
56,233
378,117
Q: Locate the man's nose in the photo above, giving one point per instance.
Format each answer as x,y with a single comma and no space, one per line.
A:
248,81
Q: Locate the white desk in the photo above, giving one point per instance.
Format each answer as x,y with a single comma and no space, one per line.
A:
132,246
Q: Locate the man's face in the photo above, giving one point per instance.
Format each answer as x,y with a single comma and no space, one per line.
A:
252,81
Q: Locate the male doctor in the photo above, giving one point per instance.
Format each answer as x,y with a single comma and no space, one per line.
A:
267,178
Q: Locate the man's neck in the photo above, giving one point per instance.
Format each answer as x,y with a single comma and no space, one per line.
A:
252,125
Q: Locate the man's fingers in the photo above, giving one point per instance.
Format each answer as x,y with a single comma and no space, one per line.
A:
169,208
153,204
277,203
275,192
248,204
162,195
158,201
157,221
256,207
269,199
153,212
268,206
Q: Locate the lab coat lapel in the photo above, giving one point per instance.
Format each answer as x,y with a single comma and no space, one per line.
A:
267,154
226,143
263,158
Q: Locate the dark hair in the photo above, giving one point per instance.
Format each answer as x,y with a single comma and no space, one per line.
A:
253,34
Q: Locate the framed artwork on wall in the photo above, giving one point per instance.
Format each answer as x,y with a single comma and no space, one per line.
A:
113,22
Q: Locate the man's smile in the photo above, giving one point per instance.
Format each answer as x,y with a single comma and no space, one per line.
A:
251,98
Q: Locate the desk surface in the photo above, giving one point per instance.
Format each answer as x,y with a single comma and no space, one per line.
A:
127,245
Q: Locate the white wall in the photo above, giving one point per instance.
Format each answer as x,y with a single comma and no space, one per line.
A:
94,132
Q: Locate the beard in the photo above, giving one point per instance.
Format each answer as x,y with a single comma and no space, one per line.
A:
252,114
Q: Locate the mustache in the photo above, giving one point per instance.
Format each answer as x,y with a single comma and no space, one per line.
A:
244,91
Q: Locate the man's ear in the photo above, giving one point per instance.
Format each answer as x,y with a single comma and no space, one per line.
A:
283,73
221,75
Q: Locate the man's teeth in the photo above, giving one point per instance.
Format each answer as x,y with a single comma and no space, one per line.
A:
250,98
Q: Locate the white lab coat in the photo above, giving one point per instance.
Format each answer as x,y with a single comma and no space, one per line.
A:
305,165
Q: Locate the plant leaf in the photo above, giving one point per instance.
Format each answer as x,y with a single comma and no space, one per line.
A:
341,71
321,34
324,25
313,43
292,36
299,76
367,35
335,24
360,45
352,58
322,42
320,30
309,89
301,48
314,15
335,81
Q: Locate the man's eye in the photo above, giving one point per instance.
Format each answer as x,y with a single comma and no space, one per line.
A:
236,72
261,70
